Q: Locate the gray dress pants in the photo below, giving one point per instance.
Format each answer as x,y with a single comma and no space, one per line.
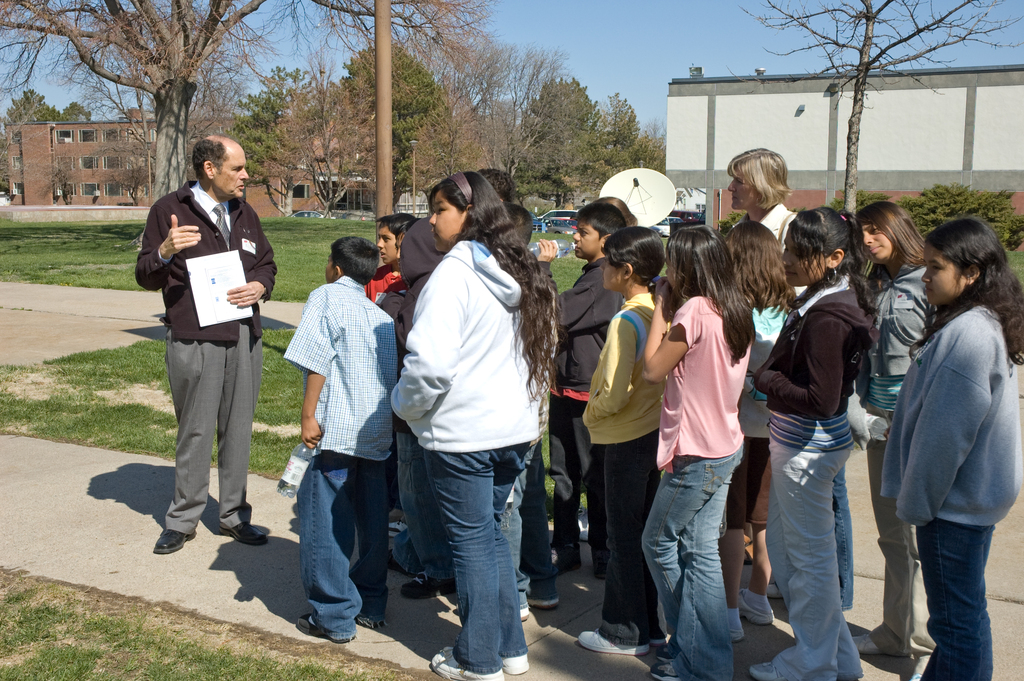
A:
214,386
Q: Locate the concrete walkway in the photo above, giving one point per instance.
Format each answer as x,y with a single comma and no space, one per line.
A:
90,516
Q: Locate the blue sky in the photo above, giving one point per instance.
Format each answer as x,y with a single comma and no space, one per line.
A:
635,47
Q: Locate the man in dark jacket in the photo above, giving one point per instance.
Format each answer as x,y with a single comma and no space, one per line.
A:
214,371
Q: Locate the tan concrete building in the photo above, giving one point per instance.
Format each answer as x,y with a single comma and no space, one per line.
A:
919,129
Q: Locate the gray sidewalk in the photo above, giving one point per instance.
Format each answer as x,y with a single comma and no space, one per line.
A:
90,516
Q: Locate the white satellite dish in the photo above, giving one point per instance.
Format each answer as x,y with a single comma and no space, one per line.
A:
649,195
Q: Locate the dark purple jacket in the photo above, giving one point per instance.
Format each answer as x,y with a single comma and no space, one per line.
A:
811,370
152,274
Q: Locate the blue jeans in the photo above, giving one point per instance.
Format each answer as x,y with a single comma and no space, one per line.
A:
844,538
472,489
525,527
953,559
343,498
423,546
629,615
681,544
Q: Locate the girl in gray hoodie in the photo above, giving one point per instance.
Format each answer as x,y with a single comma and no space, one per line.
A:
953,462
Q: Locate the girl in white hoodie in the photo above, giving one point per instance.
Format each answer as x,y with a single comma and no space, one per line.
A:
480,359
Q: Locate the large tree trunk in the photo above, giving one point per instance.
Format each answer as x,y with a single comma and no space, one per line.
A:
172,103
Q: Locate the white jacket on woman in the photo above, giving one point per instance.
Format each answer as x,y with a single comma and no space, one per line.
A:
464,384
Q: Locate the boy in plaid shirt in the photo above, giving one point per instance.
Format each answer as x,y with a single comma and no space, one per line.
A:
345,347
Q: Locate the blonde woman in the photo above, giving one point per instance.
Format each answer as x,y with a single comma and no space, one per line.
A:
758,187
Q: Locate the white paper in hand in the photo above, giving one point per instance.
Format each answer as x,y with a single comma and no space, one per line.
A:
211,277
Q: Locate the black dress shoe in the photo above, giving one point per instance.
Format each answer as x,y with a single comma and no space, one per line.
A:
308,627
245,533
171,541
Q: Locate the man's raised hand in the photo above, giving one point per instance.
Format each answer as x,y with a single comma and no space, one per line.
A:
179,238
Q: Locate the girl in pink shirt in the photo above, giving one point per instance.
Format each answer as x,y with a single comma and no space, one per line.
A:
702,345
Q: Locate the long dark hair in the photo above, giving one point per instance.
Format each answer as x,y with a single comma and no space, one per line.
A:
489,223
757,264
895,224
701,266
970,241
638,247
817,233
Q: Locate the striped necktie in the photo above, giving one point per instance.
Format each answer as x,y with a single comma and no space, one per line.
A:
222,224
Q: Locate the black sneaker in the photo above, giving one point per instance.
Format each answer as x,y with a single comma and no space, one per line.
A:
308,627
422,586
600,559
566,558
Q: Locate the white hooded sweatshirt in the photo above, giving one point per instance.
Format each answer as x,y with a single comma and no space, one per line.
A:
464,384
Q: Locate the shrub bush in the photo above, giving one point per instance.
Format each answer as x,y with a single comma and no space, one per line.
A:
944,202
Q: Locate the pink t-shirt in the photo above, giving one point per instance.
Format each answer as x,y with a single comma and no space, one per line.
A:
700,413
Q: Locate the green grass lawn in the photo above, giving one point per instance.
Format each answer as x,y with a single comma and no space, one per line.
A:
100,255
49,631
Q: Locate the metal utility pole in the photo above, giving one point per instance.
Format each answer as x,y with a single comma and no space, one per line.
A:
382,46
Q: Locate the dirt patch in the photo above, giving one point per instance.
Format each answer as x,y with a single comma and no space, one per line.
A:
32,386
281,431
138,393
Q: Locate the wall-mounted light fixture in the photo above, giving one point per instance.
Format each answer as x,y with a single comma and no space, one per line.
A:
800,109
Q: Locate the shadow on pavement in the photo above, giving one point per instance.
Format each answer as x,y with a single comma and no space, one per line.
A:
147,489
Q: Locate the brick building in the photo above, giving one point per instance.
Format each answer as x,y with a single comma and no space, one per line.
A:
102,163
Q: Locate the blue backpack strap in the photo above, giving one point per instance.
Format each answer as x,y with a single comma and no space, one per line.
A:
641,330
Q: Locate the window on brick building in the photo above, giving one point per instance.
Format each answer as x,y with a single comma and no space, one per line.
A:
90,162
301,191
86,135
16,137
90,189
111,162
111,135
16,162
112,189
64,136
17,187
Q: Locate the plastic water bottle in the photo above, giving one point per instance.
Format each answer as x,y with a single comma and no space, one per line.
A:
564,248
293,472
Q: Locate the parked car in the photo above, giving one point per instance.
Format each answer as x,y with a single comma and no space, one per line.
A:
689,217
664,227
561,226
308,214
538,225
565,213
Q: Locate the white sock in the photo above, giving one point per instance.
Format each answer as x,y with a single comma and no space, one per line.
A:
734,618
759,601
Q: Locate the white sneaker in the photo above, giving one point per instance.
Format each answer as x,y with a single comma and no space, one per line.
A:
865,646
515,665
583,518
765,672
395,528
754,614
736,634
445,666
593,640
773,591
524,613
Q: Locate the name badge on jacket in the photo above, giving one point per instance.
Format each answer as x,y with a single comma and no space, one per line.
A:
249,246
903,301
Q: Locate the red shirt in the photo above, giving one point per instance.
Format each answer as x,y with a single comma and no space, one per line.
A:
384,281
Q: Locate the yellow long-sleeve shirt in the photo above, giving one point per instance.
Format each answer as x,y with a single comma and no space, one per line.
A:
623,406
